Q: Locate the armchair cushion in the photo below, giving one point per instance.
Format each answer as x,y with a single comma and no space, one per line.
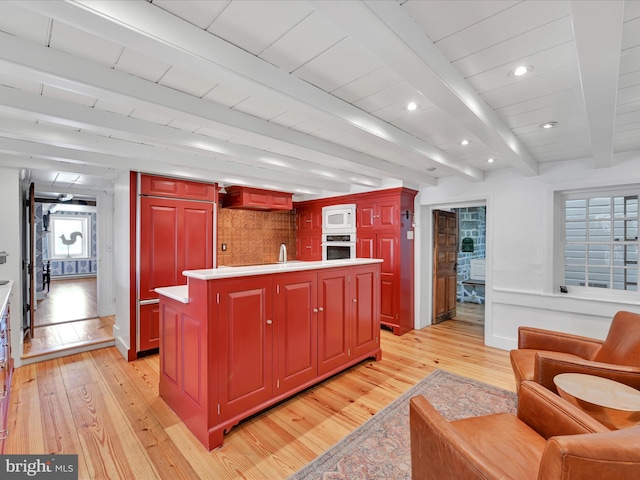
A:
492,446
542,354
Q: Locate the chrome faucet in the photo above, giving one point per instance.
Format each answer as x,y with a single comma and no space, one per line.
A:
282,258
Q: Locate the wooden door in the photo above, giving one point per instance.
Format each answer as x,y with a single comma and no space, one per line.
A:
295,331
445,257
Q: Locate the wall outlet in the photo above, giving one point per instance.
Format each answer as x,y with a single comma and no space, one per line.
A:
223,247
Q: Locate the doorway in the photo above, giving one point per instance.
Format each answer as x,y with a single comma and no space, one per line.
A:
63,270
459,263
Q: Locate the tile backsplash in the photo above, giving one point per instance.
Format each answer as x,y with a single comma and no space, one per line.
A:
254,237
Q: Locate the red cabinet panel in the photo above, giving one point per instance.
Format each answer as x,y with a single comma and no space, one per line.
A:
175,188
309,247
245,334
257,199
149,322
159,260
295,322
175,235
309,220
384,232
333,321
364,290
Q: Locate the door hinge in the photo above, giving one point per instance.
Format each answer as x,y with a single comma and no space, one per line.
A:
377,341
218,409
278,289
348,352
218,302
278,383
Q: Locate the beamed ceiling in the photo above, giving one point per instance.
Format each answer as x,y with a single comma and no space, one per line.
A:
310,97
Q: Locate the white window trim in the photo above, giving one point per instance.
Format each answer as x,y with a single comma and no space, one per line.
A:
592,293
51,238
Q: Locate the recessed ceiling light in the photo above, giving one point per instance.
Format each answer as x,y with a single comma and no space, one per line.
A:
411,106
464,142
548,125
521,70
490,160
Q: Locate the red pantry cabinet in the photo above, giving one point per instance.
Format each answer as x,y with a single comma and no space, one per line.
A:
174,232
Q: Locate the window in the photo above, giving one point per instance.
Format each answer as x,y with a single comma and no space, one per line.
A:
70,236
600,243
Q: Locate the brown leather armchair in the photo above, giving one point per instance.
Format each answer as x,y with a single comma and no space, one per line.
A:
548,439
542,354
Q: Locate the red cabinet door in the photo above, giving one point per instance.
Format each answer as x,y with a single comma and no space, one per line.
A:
333,319
365,216
197,237
295,326
309,220
245,332
387,248
366,245
159,261
175,235
149,326
365,317
309,247
388,214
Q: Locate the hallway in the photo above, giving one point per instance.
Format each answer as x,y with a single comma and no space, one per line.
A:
67,319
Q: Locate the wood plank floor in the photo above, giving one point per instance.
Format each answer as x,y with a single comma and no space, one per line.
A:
67,318
108,411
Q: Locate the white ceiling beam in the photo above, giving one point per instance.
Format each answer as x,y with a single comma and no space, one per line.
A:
597,28
84,142
19,57
164,36
133,129
255,177
387,32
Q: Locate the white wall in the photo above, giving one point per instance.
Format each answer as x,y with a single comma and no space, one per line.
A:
10,241
121,256
520,213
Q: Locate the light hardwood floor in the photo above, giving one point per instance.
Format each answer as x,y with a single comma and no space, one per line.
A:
108,411
67,318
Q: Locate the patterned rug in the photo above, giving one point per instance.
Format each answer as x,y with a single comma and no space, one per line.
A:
380,448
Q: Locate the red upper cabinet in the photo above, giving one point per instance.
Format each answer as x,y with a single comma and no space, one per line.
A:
309,220
257,199
309,233
381,214
173,231
175,188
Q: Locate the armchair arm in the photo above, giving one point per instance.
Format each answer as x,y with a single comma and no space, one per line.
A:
439,452
550,415
614,454
539,339
549,364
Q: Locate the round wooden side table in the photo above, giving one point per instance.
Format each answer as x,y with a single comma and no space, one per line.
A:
613,404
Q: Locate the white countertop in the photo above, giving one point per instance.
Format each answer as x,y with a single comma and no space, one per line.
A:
181,292
290,266
177,292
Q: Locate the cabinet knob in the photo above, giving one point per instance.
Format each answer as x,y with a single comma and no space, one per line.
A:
315,310
321,309
355,300
269,322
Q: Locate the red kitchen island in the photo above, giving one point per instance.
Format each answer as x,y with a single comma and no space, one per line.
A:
237,340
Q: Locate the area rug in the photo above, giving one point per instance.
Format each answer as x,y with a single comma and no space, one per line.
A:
380,449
